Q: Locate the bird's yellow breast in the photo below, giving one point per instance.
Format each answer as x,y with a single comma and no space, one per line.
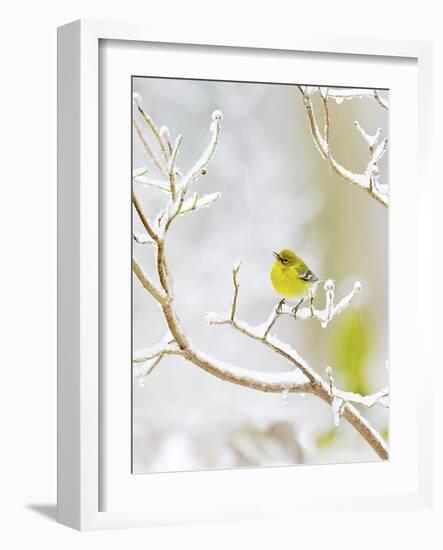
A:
285,280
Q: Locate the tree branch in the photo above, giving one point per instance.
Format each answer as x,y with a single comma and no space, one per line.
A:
144,219
367,180
155,292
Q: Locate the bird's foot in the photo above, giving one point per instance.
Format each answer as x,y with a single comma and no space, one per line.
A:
311,303
296,308
280,305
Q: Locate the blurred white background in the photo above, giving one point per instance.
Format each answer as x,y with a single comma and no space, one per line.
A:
276,192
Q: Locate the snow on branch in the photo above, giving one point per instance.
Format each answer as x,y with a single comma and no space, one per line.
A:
197,202
166,346
156,184
201,164
145,360
341,398
300,376
368,179
176,185
324,316
330,310
340,94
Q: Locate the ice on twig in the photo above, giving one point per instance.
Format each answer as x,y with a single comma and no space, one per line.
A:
165,145
380,150
340,398
370,140
330,309
156,184
201,164
329,306
309,90
166,214
171,163
217,115
337,405
164,132
197,202
166,344
340,94
379,398
178,208
141,370
344,302
136,98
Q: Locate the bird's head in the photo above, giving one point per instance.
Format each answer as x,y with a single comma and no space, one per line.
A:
288,258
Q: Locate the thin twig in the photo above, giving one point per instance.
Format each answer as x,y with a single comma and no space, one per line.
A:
158,294
380,100
155,131
148,149
236,287
273,318
142,239
172,166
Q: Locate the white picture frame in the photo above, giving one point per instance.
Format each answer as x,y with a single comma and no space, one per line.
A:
80,412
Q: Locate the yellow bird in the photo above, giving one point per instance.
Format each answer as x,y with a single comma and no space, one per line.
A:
290,276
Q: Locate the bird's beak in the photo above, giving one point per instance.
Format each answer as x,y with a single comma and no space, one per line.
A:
276,254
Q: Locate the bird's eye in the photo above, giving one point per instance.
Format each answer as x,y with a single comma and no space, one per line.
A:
284,260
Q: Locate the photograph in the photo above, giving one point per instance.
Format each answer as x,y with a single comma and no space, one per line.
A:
260,259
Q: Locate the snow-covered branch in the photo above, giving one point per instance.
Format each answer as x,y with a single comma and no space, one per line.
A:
341,398
300,377
197,202
145,360
200,166
330,310
166,346
155,184
340,94
368,179
324,316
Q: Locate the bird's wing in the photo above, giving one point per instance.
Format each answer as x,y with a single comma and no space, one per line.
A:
308,276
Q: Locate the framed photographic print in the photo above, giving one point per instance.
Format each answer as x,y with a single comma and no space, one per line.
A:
233,220
184,419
